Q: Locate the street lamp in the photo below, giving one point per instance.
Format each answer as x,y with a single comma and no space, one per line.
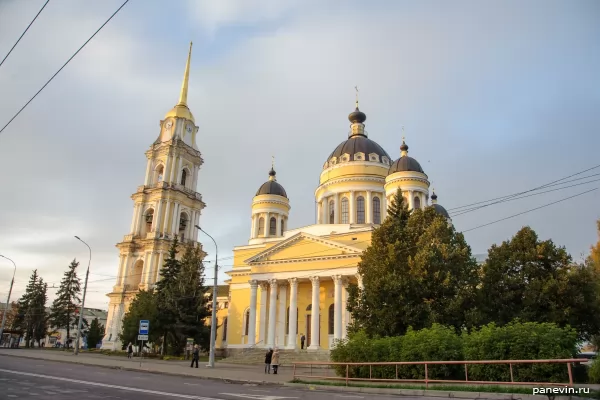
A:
8,299
82,300
213,322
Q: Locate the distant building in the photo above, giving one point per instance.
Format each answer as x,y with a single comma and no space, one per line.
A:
59,335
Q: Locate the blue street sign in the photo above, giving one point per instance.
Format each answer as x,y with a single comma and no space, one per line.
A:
144,327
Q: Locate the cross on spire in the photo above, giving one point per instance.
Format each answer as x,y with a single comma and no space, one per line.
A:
356,88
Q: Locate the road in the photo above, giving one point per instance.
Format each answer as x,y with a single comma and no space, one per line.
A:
22,378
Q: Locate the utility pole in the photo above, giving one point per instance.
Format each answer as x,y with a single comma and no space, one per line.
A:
87,274
213,321
12,282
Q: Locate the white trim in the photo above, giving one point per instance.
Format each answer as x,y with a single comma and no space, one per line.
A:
239,286
351,271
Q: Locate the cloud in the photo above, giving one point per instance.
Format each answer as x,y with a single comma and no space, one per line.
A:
494,100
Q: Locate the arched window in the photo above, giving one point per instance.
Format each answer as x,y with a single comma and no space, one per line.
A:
331,319
376,210
160,170
273,226
225,329
261,226
287,321
360,210
309,307
282,228
148,219
247,323
331,211
417,202
344,210
183,177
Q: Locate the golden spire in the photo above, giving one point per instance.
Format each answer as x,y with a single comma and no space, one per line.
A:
186,78
356,88
272,162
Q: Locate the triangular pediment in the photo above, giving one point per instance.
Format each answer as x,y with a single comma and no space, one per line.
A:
303,246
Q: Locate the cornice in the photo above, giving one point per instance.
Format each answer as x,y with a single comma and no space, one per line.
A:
407,179
307,259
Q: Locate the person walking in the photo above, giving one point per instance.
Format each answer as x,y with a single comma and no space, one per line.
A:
302,339
268,358
195,356
129,350
275,361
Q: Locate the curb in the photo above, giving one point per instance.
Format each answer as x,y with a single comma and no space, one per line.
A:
427,393
211,378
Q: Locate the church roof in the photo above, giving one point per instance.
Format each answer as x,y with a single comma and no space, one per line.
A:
271,186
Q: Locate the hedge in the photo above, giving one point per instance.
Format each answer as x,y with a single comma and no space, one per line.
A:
515,341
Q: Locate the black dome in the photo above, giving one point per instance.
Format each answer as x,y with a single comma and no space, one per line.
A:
440,210
357,116
358,144
271,186
405,163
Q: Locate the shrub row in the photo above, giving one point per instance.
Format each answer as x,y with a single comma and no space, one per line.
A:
515,341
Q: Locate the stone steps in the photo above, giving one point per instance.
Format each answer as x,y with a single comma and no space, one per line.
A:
286,357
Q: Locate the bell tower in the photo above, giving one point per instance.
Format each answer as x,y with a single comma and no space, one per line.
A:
165,206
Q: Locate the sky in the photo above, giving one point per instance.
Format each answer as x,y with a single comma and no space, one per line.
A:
495,98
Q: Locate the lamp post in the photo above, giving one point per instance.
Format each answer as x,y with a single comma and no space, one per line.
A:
213,321
12,282
82,300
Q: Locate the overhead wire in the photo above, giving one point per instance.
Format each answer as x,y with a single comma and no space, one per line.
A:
64,65
24,32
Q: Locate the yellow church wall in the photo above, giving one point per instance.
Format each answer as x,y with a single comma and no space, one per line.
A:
354,168
240,300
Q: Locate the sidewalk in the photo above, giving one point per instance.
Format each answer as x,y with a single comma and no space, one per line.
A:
227,372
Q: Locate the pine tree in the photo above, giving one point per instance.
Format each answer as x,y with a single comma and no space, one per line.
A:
166,295
417,271
64,307
94,335
38,307
31,316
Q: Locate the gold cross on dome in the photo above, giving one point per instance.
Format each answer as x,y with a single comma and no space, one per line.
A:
356,88
273,162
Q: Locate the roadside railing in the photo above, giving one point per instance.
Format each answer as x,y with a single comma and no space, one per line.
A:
300,369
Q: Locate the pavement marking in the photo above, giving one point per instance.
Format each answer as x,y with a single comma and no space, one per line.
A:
257,396
130,389
349,396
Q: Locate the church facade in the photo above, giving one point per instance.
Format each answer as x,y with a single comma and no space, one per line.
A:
285,283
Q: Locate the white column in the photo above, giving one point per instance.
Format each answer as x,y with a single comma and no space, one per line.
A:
252,226
159,217
345,313
278,226
314,322
369,208
134,217
196,222
174,168
252,322
280,341
272,312
161,261
384,211
145,269
148,171
268,225
141,219
120,274
352,208
165,227
319,213
325,212
150,268
336,213
175,218
411,202
293,327
337,316
125,271
262,317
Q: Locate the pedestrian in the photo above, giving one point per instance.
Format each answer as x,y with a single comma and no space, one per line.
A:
275,361
268,358
129,350
195,356
302,339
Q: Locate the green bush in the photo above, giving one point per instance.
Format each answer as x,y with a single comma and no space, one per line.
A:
594,371
515,341
520,341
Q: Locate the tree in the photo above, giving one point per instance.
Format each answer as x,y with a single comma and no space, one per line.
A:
95,333
537,281
31,316
166,292
595,251
143,307
417,271
64,307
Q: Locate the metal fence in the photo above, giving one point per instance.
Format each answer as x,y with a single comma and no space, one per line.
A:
323,371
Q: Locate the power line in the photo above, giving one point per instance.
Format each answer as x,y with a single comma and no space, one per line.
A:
24,32
61,68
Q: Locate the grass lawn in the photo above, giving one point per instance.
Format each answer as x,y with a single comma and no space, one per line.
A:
451,388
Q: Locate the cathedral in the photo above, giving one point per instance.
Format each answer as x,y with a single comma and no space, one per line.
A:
286,282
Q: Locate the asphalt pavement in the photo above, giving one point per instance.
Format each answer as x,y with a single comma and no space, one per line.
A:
22,378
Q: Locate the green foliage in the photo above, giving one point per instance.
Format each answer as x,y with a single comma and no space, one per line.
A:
594,372
166,289
143,307
520,341
64,307
418,271
31,315
95,333
515,341
536,281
